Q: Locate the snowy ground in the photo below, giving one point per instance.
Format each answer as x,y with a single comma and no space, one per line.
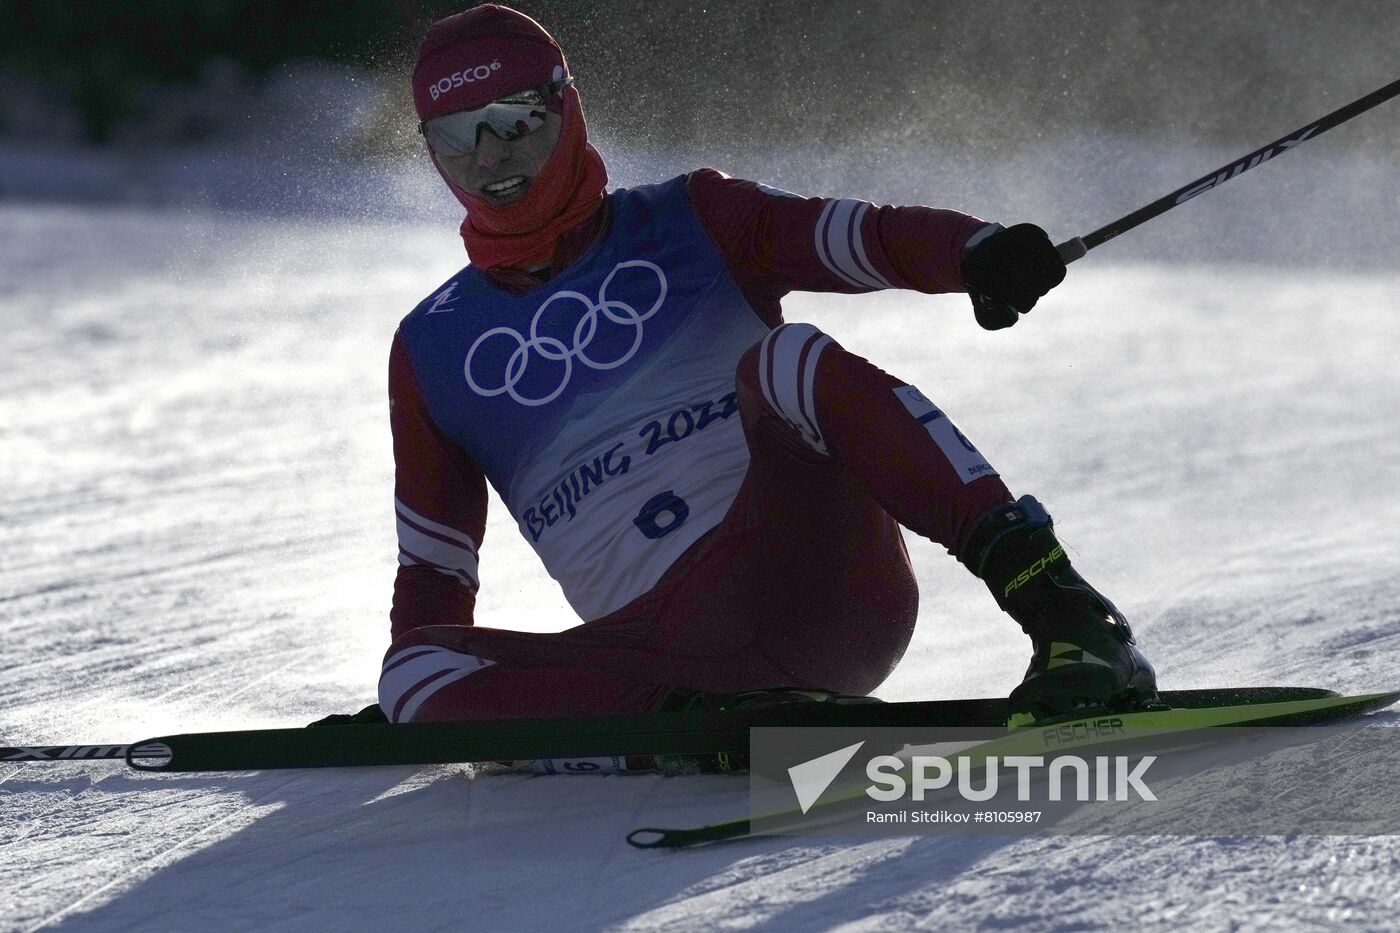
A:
195,533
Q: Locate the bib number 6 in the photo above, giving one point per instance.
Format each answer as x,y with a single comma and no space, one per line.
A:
662,514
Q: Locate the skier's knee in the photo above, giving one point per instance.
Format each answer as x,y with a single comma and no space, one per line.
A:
413,675
782,369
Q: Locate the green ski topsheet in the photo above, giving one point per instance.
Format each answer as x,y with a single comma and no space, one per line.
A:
1191,711
647,734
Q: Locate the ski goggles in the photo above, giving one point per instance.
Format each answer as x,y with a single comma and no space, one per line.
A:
455,135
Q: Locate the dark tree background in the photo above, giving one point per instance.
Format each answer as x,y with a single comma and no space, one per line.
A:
784,72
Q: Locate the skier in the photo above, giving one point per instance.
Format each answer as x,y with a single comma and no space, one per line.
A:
718,493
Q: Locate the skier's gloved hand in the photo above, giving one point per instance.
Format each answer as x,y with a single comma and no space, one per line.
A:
1007,271
370,714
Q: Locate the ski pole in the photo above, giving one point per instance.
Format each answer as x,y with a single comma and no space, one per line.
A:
1073,249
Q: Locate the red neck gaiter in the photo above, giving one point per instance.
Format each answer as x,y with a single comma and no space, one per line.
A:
472,58
565,193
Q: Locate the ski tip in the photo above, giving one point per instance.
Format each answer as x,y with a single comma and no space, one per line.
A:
1382,699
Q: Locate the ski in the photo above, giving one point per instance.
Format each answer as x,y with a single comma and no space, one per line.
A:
690,733
65,753
1266,707
693,733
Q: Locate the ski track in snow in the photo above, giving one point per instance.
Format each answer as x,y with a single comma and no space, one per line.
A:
195,513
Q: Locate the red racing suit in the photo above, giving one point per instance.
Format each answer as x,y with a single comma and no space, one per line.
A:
792,573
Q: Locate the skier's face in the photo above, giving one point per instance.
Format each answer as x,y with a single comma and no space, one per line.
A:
500,170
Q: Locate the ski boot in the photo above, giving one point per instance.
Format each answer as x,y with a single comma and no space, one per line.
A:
1085,657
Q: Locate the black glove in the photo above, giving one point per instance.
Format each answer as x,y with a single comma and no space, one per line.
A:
370,714
1008,271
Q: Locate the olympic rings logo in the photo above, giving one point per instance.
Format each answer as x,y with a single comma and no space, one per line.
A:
549,348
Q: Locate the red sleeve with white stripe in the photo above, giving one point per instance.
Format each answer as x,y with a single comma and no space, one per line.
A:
440,506
775,242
